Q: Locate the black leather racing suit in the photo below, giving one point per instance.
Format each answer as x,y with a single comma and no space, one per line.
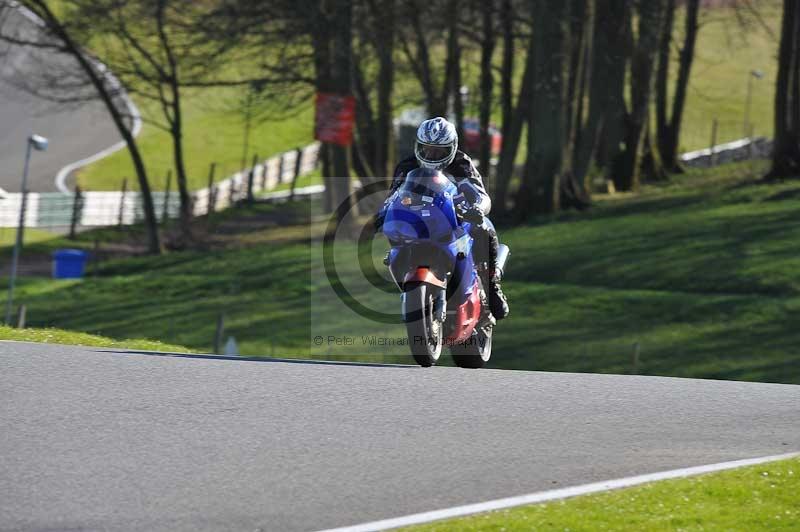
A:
485,235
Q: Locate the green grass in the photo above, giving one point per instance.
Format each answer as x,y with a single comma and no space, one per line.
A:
8,235
214,132
731,43
703,275
56,336
763,497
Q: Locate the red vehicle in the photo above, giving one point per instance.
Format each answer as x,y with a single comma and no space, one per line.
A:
472,138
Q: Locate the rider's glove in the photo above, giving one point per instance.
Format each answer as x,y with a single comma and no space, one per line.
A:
472,214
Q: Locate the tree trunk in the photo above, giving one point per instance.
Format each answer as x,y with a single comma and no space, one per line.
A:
180,167
384,147
669,133
513,133
321,46
662,76
577,63
548,135
574,192
505,165
453,81
609,53
331,35
626,172
341,84
365,145
436,101
151,222
172,111
652,166
487,83
507,68
786,152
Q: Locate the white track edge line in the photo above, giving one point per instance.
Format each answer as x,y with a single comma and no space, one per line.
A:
62,175
551,495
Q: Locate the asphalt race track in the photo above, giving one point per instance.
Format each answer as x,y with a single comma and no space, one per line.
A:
92,439
75,131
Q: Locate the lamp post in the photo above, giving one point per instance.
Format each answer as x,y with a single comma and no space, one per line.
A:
38,143
754,74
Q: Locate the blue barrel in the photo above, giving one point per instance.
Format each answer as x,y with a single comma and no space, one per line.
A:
69,263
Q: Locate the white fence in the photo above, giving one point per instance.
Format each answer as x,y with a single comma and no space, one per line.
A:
97,209
738,150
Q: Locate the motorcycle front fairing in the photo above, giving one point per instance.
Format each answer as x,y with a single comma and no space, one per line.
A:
421,225
419,222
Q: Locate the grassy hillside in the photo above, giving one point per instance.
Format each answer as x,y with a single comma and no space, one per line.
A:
56,336
702,276
730,45
214,132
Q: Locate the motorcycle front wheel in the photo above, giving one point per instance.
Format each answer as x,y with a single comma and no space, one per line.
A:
425,332
475,352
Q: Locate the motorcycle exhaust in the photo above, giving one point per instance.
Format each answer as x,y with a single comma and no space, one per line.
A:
502,256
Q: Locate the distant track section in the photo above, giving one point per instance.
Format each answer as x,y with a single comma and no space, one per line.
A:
76,131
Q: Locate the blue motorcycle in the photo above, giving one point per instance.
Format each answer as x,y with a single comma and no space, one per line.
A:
432,262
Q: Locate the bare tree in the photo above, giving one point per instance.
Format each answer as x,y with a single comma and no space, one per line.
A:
375,40
610,49
548,133
627,167
786,153
668,127
488,41
515,112
419,38
62,36
153,46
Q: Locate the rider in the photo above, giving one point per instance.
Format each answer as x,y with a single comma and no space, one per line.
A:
437,149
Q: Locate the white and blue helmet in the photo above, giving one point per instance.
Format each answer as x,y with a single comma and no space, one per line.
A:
437,143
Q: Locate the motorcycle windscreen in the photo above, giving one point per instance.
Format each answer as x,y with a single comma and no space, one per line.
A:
426,182
422,208
420,218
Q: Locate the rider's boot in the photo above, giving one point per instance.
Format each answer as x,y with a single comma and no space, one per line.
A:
498,303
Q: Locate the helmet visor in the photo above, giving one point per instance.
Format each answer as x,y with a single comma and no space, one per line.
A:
433,153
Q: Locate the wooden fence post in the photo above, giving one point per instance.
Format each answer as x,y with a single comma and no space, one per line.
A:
232,192
22,314
298,163
212,190
77,209
122,201
165,210
297,168
714,127
280,168
220,330
264,175
250,176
